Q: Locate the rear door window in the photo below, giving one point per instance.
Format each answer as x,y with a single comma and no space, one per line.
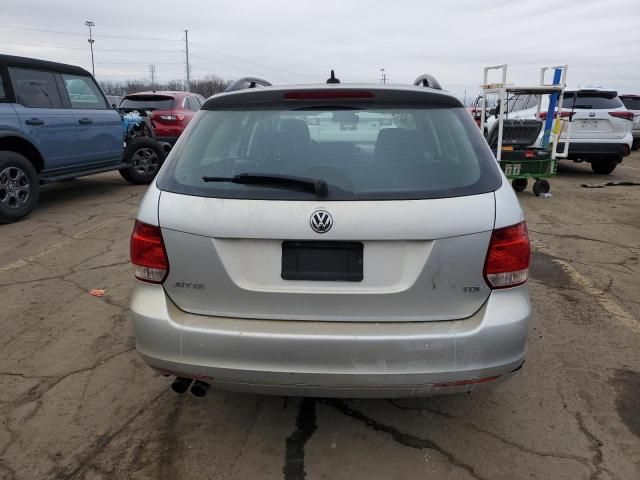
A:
149,102
632,103
35,88
362,154
3,94
520,102
83,92
193,104
592,100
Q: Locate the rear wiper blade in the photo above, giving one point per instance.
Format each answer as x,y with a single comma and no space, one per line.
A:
317,186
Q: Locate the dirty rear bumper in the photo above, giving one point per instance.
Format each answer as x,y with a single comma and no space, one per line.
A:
593,150
335,359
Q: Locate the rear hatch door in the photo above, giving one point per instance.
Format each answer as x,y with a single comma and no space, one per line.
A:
591,119
410,194
422,260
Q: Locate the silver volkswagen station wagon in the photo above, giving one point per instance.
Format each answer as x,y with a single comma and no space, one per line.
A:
331,240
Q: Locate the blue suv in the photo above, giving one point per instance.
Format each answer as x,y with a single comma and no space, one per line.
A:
57,124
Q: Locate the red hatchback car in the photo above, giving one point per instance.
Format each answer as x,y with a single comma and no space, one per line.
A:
171,111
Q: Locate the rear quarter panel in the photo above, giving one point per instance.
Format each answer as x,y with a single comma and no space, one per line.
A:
9,120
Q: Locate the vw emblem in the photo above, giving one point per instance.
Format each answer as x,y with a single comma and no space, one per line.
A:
592,114
321,221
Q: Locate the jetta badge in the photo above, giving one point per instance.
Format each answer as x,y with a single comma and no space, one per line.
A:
321,221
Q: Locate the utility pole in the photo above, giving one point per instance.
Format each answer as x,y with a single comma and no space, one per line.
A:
383,76
152,71
91,41
186,44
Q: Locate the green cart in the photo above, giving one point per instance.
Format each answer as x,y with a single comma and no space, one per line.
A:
522,164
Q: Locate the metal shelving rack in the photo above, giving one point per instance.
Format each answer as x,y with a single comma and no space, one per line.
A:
503,89
540,162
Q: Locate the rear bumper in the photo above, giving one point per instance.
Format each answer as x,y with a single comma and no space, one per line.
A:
170,139
332,359
587,151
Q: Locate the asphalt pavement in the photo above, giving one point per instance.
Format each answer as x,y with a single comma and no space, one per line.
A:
76,401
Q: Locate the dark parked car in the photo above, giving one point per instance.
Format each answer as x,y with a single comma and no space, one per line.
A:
57,124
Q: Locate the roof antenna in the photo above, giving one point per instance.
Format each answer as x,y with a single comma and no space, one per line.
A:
333,78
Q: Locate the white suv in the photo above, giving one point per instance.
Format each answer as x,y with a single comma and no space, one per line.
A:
601,130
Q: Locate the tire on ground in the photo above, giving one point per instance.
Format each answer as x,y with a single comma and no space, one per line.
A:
19,187
519,184
144,156
541,186
604,166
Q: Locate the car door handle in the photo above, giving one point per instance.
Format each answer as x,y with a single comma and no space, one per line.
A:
34,121
85,121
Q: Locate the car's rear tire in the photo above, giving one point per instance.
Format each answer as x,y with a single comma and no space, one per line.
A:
604,166
519,184
144,156
540,187
636,144
19,187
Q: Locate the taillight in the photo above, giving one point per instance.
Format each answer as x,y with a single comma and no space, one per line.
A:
171,118
543,115
328,95
507,262
625,115
148,255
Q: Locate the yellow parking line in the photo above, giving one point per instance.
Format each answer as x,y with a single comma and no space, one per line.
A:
606,301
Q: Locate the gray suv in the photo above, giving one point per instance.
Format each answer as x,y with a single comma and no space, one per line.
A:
57,124
331,240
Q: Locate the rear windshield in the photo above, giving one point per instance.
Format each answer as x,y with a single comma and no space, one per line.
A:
362,154
149,102
632,103
592,100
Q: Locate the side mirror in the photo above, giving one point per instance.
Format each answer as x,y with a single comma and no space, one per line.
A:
493,111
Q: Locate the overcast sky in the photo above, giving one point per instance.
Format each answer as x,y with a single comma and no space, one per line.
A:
299,41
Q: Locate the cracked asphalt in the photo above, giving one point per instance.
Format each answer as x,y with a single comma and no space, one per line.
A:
76,402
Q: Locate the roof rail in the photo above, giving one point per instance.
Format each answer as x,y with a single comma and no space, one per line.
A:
252,82
426,80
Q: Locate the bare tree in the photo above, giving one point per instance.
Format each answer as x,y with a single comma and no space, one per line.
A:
207,86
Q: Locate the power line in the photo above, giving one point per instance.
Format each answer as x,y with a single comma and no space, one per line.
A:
252,62
155,39
240,69
137,51
46,45
207,71
141,62
127,37
190,43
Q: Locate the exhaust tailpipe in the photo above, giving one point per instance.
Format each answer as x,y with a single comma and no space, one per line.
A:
181,384
199,388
